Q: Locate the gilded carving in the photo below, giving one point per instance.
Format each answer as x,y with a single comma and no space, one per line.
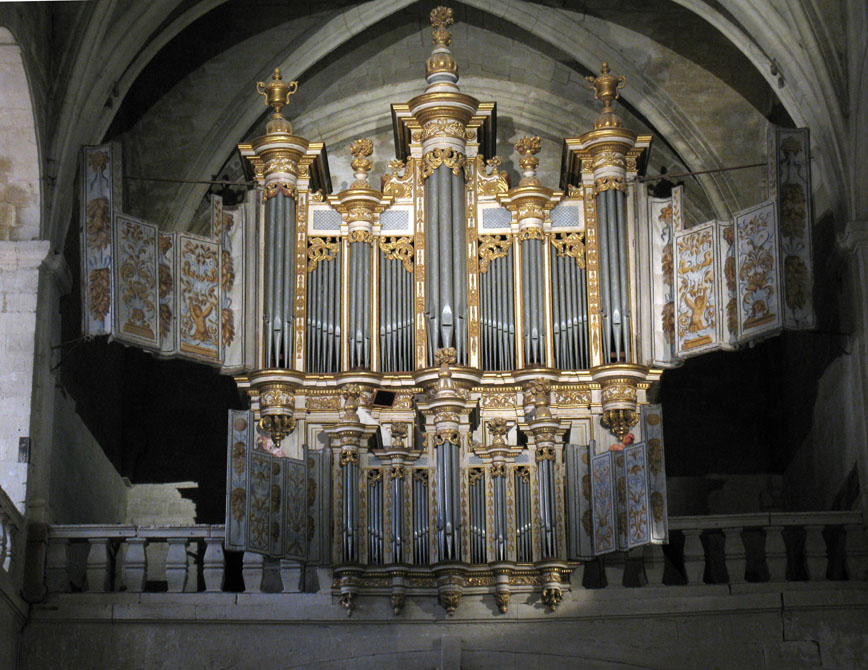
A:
492,247
609,183
321,249
397,182
490,180
323,402
452,159
398,248
531,233
572,245
499,400
361,235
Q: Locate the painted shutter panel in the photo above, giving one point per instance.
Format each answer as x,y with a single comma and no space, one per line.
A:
136,307
792,167
652,433
603,503
267,502
580,542
99,193
757,271
637,497
199,301
661,277
697,306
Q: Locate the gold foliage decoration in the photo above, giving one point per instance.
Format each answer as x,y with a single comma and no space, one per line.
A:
98,223
492,247
321,249
572,245
398,249
99,290
452,159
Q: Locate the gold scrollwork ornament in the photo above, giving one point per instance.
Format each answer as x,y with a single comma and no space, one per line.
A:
321,249
400,249
572,245
492,247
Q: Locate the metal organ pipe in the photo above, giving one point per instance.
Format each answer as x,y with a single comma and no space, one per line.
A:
288,281
433,262
277,295
268,308
447,304
459,267
622,267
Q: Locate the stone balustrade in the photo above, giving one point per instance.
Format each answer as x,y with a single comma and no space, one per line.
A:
11,540
729,549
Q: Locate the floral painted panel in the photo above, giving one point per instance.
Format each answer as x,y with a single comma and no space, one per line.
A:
230,231
167,245
297,496
757,271
267,495
97,203
199,300
792,156
696,303
262,532
603,503
636,493
652,434
726,286
660,226
136,272
578,462
240,432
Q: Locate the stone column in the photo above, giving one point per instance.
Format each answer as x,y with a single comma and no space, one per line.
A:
19,284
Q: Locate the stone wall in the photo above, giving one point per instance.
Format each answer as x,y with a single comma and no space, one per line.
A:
667,627
84,486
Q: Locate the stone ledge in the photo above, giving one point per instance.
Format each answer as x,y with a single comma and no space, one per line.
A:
320,608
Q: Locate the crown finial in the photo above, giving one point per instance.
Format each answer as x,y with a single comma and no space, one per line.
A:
361,149
441,66
606,87
528,147
277,93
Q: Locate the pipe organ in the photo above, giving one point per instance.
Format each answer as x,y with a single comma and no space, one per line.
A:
448,375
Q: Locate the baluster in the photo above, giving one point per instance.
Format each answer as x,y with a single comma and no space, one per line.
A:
192,570
856,552
56,566
213,566
252,570
654,564
734,555
816,556
694,556
776,554
290,576
136,564
176,564
98,569
634,573
614,564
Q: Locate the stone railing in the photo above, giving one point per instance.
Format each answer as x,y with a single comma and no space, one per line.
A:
11,540
737,549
